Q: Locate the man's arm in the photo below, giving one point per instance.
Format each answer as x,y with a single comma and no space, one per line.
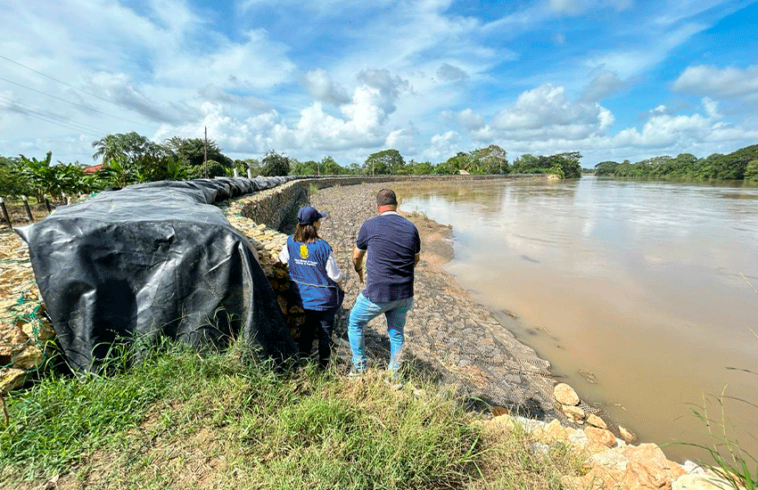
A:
358,255
416,259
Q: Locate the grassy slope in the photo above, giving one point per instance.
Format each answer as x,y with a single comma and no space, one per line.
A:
180,419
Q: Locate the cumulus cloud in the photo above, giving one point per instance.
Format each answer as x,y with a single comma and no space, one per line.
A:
357,122
663,133
671,130
403,140
442,146
362,126
389,87
729,82
665,130
322,88
451,73
470,120
546,112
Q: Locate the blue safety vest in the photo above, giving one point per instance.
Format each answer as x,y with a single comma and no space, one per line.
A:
307,267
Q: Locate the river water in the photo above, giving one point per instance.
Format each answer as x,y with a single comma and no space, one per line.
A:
642,295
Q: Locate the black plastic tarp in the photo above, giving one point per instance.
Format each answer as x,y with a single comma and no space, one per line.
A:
154,260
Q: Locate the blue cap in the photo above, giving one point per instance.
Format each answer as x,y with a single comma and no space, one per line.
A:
307,215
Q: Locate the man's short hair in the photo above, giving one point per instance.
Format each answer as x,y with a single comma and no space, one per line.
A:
386,197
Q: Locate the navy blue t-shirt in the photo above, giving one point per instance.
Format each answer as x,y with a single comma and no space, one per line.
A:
392,243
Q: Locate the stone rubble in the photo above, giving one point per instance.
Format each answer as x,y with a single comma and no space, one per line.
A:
24,328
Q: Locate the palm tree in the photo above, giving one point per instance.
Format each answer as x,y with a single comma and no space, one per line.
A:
107,147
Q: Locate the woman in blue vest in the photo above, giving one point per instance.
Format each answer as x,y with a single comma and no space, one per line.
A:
316,280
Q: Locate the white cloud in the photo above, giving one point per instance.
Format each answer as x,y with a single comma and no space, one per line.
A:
545,112
711,108
663,132
362,127
729,82
603,85
403,140
443,146
322,88
256,63
389,87
470,120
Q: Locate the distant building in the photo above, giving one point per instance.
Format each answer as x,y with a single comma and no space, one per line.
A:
92,169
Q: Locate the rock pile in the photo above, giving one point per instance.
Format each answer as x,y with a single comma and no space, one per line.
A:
267,243
569,403
611,463
24,328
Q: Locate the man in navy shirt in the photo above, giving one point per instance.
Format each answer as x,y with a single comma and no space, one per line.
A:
391,245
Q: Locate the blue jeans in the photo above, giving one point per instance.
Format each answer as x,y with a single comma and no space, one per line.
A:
363,312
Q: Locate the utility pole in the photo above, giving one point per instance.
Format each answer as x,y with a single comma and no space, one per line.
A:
205,152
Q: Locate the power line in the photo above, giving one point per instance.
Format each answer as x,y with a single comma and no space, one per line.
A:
53,119
51,115
72,103
66,84
83,91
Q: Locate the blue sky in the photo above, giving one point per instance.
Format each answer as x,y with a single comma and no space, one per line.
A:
613,79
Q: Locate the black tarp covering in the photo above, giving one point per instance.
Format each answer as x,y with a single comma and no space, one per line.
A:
154,260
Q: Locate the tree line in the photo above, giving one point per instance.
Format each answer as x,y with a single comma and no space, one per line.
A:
738,165
132,158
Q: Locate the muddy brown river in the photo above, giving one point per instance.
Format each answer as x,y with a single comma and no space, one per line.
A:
642,295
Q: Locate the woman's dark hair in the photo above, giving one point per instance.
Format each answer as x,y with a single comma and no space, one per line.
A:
305,233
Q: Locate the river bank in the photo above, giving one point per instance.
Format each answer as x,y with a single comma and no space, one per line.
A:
448,335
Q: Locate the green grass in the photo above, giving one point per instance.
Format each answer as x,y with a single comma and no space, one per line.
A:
179,419
734,465
729,460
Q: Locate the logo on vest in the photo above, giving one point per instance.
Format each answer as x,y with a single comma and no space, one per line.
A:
303,251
